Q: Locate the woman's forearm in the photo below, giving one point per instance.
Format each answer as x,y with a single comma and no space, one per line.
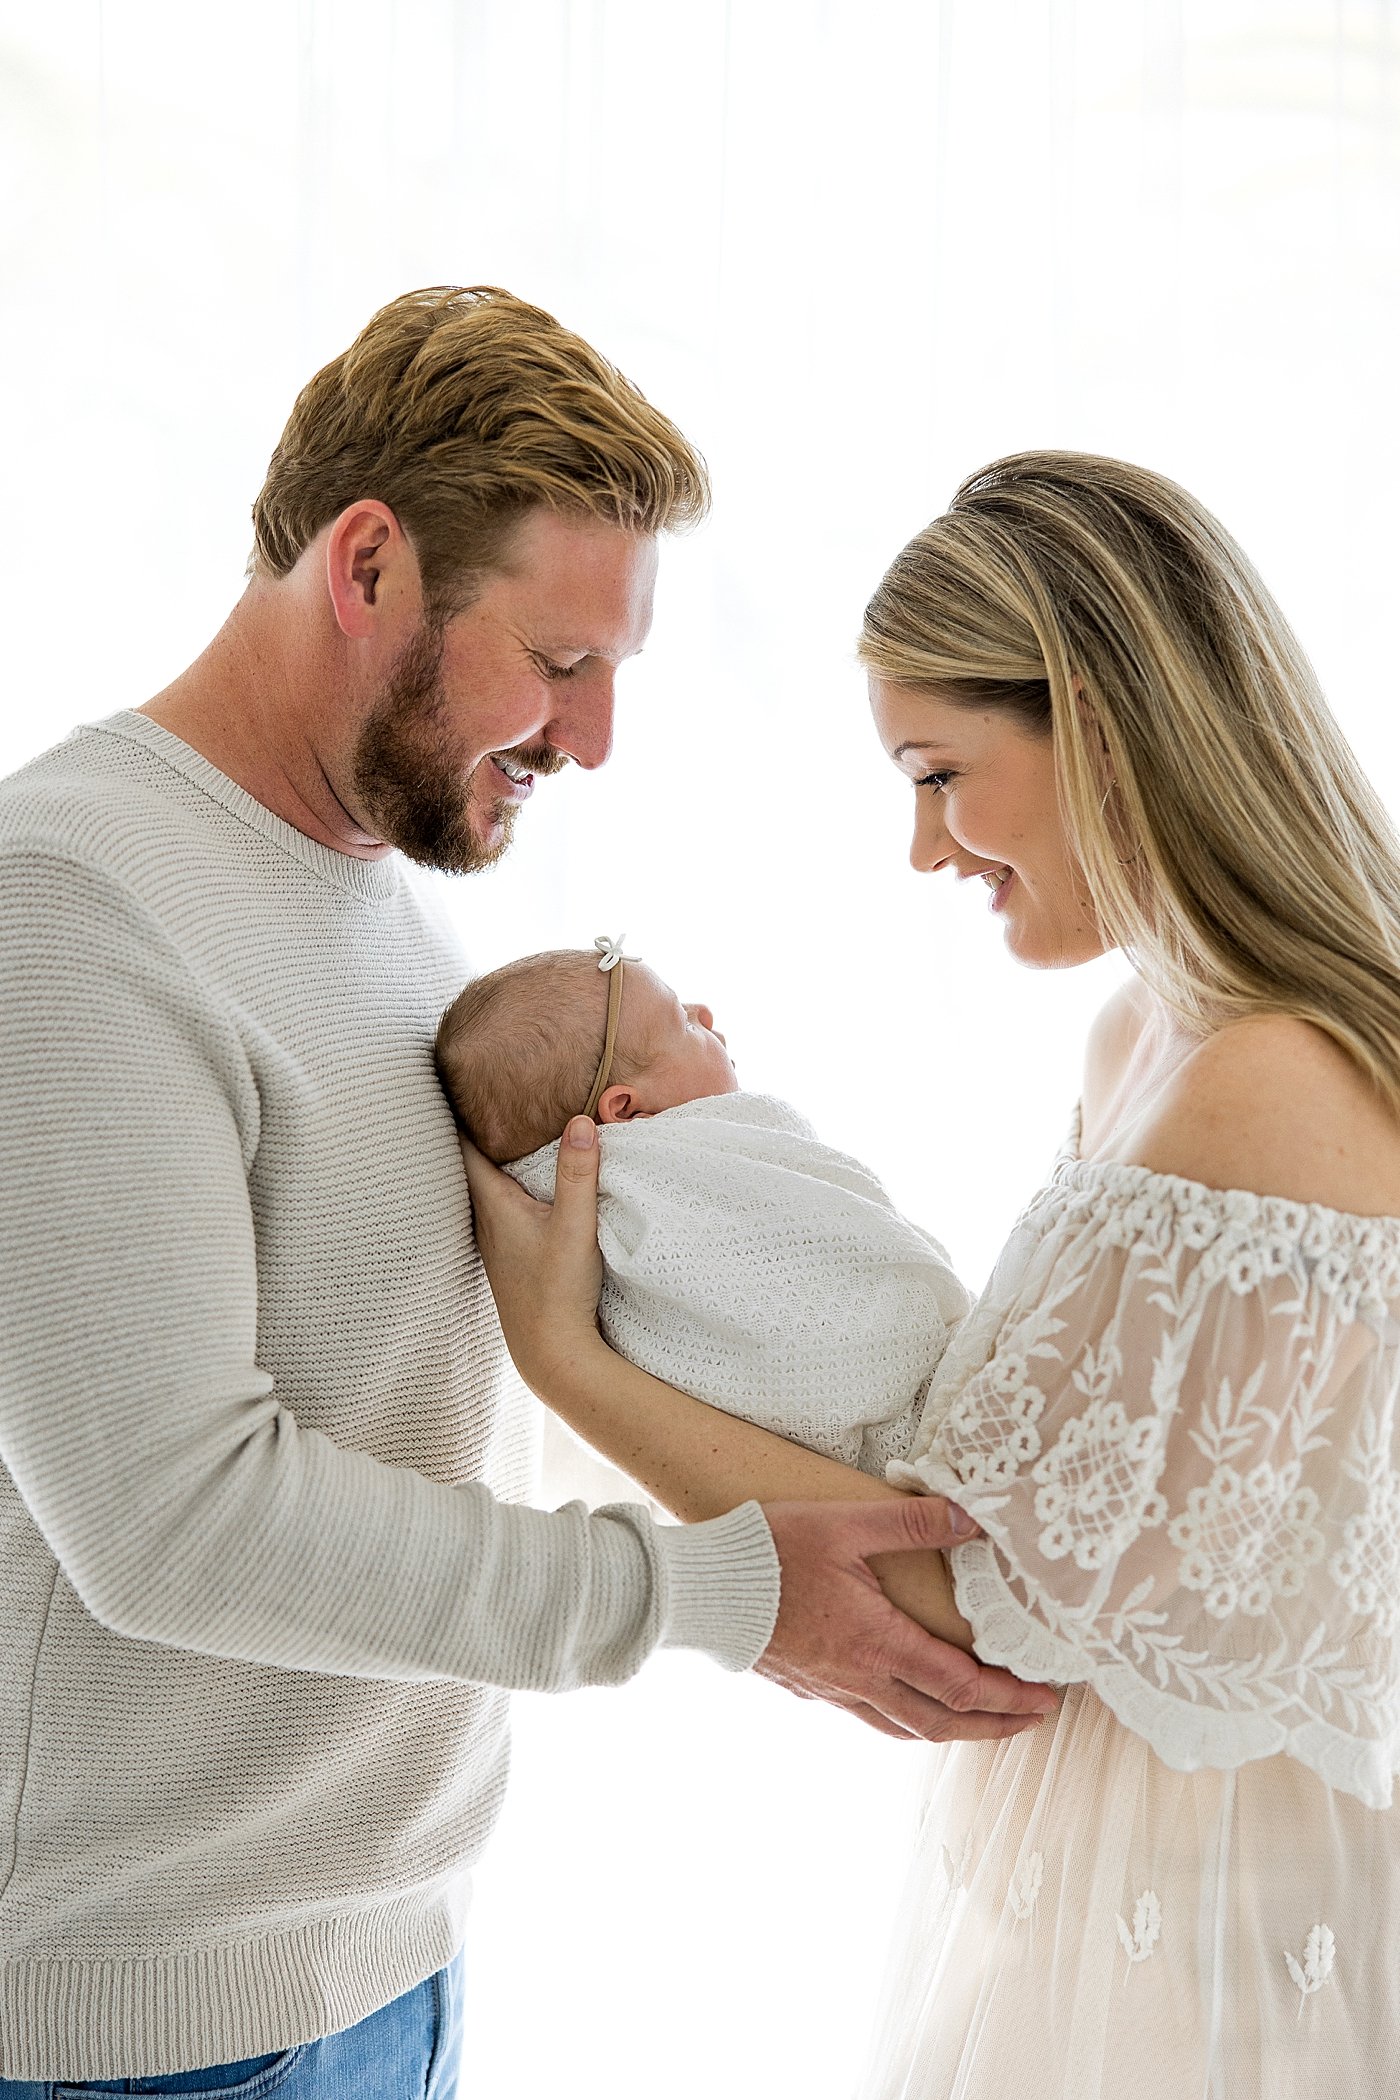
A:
699,1462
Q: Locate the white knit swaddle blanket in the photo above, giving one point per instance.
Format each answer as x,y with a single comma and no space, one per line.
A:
752,1265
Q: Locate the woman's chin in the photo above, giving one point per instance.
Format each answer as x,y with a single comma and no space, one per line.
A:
1052,947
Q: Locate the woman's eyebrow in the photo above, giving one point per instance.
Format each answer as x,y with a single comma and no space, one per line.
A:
914,743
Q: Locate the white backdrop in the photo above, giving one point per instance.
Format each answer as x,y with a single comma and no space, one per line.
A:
856,247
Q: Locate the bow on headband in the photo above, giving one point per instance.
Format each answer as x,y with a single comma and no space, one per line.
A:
610,951
610,960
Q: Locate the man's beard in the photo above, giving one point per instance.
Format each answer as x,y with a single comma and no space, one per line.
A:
409,778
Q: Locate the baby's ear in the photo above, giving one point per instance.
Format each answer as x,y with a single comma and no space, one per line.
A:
619,1104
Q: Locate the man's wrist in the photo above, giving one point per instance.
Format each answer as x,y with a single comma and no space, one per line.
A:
722,1582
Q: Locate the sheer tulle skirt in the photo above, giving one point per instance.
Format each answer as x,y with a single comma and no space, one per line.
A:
1080,1920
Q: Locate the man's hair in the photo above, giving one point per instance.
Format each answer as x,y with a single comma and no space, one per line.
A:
517,1050
462,408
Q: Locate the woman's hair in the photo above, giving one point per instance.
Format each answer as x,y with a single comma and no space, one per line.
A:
1229,840
463,408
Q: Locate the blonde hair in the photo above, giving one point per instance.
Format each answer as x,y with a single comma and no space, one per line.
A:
462,408
1229,841
516,1051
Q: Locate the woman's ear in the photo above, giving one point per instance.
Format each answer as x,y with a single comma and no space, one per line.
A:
620,1104
1091,729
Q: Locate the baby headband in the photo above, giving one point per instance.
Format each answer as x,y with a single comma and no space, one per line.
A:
610,960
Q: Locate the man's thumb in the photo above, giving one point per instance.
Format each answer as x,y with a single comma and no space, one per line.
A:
921,1520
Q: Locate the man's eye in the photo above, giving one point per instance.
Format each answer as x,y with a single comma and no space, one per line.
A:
937,781
547,669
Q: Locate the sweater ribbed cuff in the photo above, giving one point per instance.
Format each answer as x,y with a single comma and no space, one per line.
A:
720,1586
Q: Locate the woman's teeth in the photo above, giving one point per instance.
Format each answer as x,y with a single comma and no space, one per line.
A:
995,877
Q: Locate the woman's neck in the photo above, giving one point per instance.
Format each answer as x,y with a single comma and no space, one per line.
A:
1136,1045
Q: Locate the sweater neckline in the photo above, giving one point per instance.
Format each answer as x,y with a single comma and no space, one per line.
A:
375,879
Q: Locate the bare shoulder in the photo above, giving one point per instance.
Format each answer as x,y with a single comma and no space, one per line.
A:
1272,1104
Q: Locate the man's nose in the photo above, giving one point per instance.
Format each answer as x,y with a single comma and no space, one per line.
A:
584,728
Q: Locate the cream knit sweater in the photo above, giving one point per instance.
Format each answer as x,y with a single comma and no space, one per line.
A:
257,1594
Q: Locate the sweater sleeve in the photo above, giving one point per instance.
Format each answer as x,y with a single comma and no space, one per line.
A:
183,1502
1178,1429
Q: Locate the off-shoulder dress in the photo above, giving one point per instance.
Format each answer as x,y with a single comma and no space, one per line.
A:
1174,1412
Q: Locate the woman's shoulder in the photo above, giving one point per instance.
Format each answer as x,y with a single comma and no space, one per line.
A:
1272,1104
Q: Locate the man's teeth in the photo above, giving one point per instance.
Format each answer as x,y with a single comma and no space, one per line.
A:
512,769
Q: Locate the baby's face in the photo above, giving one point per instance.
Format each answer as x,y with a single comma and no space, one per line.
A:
686,1058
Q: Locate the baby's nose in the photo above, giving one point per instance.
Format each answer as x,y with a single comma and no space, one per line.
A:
706,1019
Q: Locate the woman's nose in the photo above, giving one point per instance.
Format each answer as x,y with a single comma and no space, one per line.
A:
930,842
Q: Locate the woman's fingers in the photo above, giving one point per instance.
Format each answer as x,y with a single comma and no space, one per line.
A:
576,1172
494,1195
542,1259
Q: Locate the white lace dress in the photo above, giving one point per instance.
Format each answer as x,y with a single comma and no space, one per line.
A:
1174,1412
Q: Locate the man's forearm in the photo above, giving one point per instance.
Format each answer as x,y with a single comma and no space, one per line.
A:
699,1462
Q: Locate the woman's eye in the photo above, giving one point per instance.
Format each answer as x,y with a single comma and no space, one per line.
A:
937,781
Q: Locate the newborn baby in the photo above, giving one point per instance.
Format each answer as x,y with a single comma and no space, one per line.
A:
744,1261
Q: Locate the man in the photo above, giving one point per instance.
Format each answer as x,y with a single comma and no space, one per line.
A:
266,1579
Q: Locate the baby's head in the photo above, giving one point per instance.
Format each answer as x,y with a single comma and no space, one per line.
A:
520,1050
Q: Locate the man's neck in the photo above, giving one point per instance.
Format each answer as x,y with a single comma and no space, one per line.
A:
253,703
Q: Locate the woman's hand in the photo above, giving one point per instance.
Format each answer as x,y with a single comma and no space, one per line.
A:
542,1259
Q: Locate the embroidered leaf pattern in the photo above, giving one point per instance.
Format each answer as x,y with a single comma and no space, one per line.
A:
1313,1970
1139,1940
1025,1884
956,1869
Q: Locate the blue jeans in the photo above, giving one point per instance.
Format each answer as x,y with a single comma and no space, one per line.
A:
407,2051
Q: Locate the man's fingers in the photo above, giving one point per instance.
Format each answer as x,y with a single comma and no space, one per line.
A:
873,1718
942,1673
998,1692
911,1711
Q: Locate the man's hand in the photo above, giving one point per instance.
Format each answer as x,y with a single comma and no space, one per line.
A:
839,1638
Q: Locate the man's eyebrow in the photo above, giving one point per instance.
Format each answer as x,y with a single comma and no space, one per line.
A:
556,648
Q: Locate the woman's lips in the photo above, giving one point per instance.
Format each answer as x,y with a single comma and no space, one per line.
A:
1004,885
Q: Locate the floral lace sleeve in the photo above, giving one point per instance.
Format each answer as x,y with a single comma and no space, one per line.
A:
1174,1413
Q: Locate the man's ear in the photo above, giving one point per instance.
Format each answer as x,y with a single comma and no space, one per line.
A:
620,1104
369,564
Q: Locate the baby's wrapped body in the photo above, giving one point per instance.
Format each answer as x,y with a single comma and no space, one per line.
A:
753,1266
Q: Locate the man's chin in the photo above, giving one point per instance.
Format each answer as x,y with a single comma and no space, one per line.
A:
493,840
473,844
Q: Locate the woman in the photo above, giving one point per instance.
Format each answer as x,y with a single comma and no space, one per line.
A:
1174,1411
